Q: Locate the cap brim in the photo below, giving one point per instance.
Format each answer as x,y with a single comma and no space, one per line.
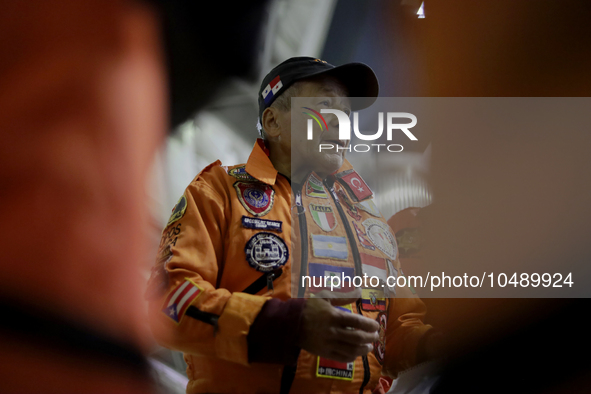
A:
360,81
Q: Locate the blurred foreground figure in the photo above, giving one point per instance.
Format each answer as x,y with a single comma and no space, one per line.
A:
82,110
83,107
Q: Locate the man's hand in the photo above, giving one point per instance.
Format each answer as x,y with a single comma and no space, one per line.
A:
328,332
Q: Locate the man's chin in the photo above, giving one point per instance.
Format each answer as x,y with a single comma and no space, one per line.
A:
329,163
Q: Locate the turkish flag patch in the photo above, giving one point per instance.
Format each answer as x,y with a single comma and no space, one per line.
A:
355,185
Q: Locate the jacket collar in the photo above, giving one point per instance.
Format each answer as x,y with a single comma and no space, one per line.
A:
259,165
346,166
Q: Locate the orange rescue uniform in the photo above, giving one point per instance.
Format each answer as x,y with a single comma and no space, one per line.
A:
231,234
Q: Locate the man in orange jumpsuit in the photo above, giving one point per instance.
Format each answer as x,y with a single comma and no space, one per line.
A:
222,290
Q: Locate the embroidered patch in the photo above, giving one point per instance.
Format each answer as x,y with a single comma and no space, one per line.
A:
256,198
370,207
169,236
179,300
326,368
266,252
390,291
409,241
354,214
373,300
323,216
363,238
240,173
344,199
379,347
345,308
261,224
348,205
315,188
178,211
329,247
318,272
271,89
379,234
374,266
355,185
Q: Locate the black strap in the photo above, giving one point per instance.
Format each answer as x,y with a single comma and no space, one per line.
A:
211,318
205,317
287,378
261,282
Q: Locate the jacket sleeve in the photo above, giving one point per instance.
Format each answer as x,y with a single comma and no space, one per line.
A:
404,331
190,259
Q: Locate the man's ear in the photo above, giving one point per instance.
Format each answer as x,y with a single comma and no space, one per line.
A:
270,122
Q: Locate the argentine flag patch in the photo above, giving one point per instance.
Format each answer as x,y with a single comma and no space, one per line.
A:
329,247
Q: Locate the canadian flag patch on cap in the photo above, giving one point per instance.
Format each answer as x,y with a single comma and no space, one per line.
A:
271,89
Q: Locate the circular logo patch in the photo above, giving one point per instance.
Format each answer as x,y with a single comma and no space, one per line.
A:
256,198
379,347
266,252
379,234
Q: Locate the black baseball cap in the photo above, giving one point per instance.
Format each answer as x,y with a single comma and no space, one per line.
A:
358,78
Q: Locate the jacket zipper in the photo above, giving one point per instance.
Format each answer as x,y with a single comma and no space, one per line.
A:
350,235
366,371
358,268
303,240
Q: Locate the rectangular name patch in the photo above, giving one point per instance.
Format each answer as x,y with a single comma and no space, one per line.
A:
261,224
